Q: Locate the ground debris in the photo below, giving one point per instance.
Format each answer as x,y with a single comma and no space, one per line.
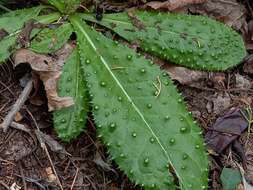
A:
242,82
218,103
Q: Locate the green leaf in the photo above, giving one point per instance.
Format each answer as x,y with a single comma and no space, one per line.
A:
230,178
13,22
50,39
70,122
140,115
65,6
193,41
59,4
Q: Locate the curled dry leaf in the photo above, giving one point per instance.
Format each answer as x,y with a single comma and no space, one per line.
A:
172,4
49,70
228,11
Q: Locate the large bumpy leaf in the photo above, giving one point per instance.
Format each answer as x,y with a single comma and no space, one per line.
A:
193,41
11,23
51,39
140,115
69,122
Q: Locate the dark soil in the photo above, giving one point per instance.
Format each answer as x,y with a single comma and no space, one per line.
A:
24,162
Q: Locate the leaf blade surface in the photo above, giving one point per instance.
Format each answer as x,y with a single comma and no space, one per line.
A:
145,130
193,41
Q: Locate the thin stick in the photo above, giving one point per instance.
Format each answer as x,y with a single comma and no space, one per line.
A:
22,176
16,107
74,181
19,127
44,147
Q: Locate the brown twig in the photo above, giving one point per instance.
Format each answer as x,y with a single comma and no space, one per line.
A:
74,180
22,175
19,127
16,107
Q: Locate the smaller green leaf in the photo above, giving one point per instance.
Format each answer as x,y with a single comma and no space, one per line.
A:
230,178
14,20
59,4
12,23
65,6
49,40
69,122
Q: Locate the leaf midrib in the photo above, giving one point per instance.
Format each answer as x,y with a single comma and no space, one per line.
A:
126,94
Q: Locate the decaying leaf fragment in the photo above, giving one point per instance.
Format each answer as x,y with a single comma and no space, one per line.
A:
49,70
226,130
172,4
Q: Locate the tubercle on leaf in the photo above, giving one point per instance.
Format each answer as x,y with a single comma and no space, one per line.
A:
127,113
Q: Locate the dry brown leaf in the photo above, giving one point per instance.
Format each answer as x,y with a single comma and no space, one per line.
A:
240,187
51,176
18,117
228,11
112,186
172,4
226,130
184,75
49,70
